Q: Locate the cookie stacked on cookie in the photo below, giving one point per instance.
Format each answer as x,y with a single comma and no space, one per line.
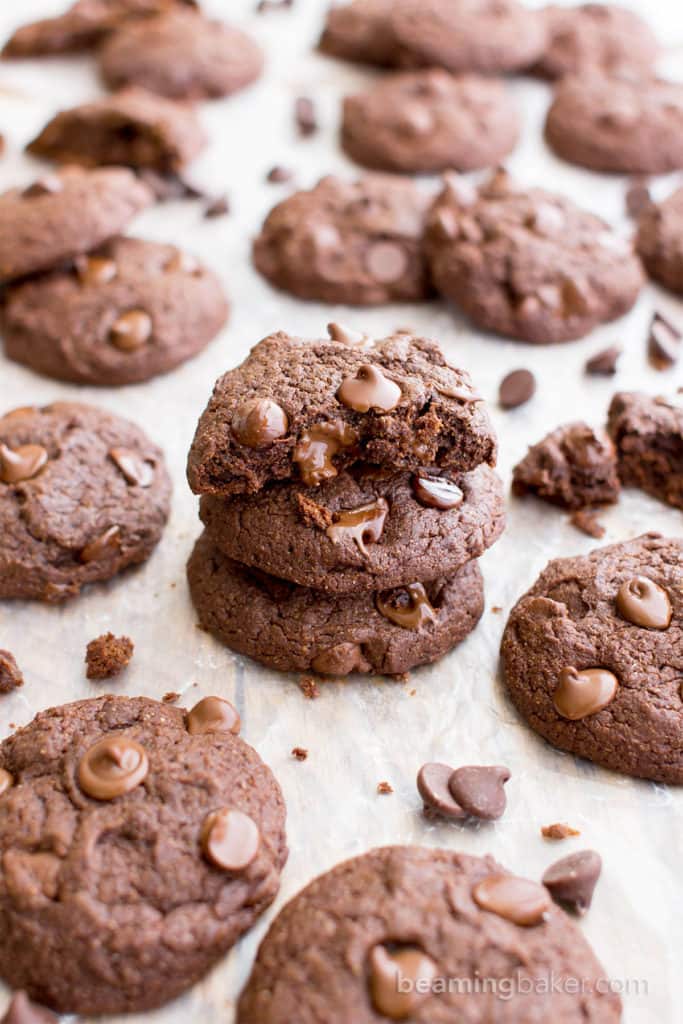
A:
347,490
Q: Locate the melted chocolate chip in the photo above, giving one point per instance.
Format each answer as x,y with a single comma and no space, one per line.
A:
6,781
571,881
104,545
437,492
369,389
21,463
131,330
580,694
398,979
386,261
432,785
409,607
516,899
362,525
644,603
258,422
211,715
480,791
230,839
95,270
111,767
317,447
136,470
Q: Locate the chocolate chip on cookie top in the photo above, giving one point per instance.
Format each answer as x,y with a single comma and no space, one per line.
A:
518,900
230,839
644,603
584,693
399,979
112,767
213,714
308,409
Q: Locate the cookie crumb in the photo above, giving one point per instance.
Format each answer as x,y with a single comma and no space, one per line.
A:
278,175
586,520
559,830
300,753
604,363
10,673
312,513
304,114
384,788
108,655
218,207
496,609
309,687
171,697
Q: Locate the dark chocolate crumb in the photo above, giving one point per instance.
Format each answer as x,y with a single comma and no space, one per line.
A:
604,364
309,687
384,788
278,175
516,389
664,343
304,113
300,753
171,697
108,655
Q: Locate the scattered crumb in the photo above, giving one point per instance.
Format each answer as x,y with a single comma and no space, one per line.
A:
171,697
496,609
559,831
278,175
586,520
412,693
309,687
10,673
108,655
384,788
300,753
312,513
304,115
218,207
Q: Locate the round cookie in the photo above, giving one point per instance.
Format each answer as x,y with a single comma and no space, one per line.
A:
431,917
593,656
358,243
490,36
360,31
138,843
603,36
620,124
363,530
63,215
182,55
528,264
429,120
295,629
125,313
659,241
83,495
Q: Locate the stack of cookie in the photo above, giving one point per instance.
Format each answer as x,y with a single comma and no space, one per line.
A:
347,490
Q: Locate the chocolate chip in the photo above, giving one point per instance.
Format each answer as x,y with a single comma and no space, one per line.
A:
516,389
432,785
638,197
6,781
386,261
571,881
314,454
21,463
437,492
304,113
136,470
480,791
664,343
212,715
346,335
340,660
580,694
362,525
230,839
586,520
516,899
258,422
604,364
409,607
106,544
131,330
369,389
644,603
112,767
278,175
399,979
218,207
95,270
22,1011
50,185
10,673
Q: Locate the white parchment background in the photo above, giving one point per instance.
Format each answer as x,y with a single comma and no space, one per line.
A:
361,732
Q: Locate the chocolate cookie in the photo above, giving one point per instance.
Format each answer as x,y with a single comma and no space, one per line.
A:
648,434
295,629
128,312
360,31
83,494
491,36
82,26
593,656
363,530
138,843
660,241
528,264
63,215
405,923
308,409
133,128
427,121
358,242
574,466
624,124
603,36
183,55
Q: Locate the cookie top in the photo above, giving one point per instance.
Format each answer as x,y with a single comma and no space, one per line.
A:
603,36
429,915
181,54
363,530
660,241
528,264
648,434
82,26
573,466
308,409
593,656
129,826
624,124
358,243
127,312
360,31
490,36
134,128
83,494
296,629
429,120
63,215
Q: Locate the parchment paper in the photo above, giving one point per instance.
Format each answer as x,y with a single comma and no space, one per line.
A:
362,732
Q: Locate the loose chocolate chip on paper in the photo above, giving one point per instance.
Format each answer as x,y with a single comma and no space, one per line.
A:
516,389
604,364
586,520
480,791
432,785
571,881
664,343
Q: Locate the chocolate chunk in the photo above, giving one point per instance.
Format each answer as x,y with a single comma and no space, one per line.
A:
398,979
304,113
362,525
108,655
516,389
230,839
369,389
22,1010
432,785
584,693
571,881
21,463
586,520
279,175
103,546
218,207
644,603
112,767
558,830
408,607
480,790
604,364
258,422
516,899
437,492
131,330
10,673
664,343
213,714
136,470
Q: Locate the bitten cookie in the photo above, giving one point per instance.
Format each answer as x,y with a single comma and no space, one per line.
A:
528,264
134,128
660,241
138,842
648,434
427,121
363,530
574,466
83,495
593,657
360,31
182,55
623,124
599,36
64,215
424,935
295,629
358,243
308,409
125,313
